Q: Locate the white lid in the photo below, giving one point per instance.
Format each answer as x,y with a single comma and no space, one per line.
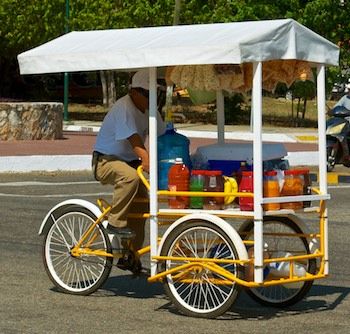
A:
178,161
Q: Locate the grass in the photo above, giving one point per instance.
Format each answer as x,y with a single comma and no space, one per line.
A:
90,112
283,112
276,112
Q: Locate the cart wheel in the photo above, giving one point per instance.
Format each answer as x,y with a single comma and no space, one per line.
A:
80,275
200,292
280,237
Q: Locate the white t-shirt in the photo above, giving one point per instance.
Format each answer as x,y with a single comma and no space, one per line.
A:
122,121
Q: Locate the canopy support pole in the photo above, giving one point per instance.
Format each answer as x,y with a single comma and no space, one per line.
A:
220,113
322,150
153,173
258,171
66,75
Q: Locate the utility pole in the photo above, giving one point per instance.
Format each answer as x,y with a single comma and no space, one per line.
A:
66,77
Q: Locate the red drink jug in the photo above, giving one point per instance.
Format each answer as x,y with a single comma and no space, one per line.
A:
246,185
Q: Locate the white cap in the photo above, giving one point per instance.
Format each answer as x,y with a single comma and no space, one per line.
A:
141,79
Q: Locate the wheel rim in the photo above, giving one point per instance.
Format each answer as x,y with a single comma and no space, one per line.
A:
279,239
74,274
199,293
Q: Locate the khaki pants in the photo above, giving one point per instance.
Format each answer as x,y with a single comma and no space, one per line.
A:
127,186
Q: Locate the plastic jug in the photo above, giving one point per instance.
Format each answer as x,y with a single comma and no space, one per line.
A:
307,186
179,179
213,182
293,186
197,184
271,189
171,145
282,269
246,185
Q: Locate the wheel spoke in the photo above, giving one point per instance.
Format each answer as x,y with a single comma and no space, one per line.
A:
201,291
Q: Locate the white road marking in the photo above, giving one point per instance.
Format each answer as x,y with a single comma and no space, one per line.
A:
55,195
39,183
344,186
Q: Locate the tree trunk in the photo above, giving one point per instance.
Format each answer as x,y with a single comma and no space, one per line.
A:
108,88
298,107
304,107
104,88
177,11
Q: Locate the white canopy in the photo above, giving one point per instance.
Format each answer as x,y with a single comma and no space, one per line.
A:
219,43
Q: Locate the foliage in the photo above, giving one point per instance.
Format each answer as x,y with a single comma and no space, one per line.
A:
28,23
330,18
233,109
303,89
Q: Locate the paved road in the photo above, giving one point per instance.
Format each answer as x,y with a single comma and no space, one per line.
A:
30,304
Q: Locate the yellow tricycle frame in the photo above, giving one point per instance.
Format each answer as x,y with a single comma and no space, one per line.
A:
189,264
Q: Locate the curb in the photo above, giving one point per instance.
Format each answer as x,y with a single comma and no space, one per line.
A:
336,178
333,178
79,128
272,137
68,163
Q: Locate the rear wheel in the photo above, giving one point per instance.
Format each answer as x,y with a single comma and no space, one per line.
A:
83,274
282,237
200,292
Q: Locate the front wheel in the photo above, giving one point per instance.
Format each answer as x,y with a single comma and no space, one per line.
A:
200,292
83,274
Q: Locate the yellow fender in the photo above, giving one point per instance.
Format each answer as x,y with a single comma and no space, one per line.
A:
219,222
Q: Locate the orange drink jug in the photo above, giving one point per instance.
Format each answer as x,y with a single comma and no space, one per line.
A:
178,180
293,185
271,189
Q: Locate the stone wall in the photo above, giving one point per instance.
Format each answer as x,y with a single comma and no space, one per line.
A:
31,120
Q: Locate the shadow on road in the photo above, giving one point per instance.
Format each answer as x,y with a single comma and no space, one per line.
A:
130,286
320,298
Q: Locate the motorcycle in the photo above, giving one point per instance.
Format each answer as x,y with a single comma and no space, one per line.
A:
338,137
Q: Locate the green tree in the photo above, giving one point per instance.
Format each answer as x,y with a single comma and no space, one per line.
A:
302,90
28,23
330,18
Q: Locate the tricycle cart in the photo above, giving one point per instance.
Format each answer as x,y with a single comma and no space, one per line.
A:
204,256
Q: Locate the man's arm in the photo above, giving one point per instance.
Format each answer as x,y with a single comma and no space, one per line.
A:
140,150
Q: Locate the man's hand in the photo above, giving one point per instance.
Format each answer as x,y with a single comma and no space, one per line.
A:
140,150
